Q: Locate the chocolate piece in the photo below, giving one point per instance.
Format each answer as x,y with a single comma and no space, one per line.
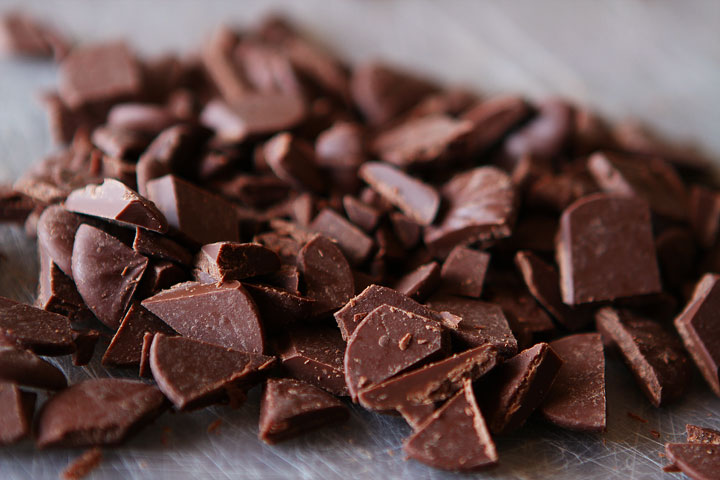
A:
327,274
114,201
199,215
546,135
223,314
406,230
704,214
15,206
125,349
140,117
25,368
463,272
416,199
23,35
340,151
697,434
361,214
101,411
625,266
421,282
380,347
354,243
492,120
676,254
431,383
279,308
153,245
144,367
44,333
56,229
696,460
85,341
417,415
576,400
16,412
118,145
517,387
227,261
217,59
193,374
452,101
294,162
290,408
56,291
455,437
106,273
655,357
160,275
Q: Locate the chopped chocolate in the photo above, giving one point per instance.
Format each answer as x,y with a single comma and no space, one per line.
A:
15,206
140,117
227,261
153,245
85,341
546,135
340,151
83,465
56,291
416,415
327,274
421,282
217,59
160,275
697,434
492,119
56,229
23,35
698,461
16,412
25,368
119,145
463,272
144,367
406,230
45,333
279,308
293,161
676,253
704,214
354,243
361,214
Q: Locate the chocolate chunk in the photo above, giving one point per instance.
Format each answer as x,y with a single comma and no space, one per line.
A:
463,272
125,349
452,101
85,341
696,460
655,357
406,230
23,35
193,374
340,151
290,408
555,192
697,326
140,117
199,215
354,243
625,266
546,135
144,367
377,350
416,199
16,412
227,261
56,291
101,411
44,333
106,273
294,162
517,387
432,383
25,368
421,282
697,434
158,276
15,206
217,57
153,245
576,400
481,207
704,214
361,214
119,145
480,323
455,437
492,120
677,253
327,274
222,314
56,234
279,308
417,415
114,201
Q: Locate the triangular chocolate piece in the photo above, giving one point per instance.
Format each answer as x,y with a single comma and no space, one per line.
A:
16,412
696,460
227,261
45,333
56,229
25,368
327,274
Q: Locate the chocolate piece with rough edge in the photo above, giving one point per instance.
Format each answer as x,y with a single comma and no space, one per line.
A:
45,333
416,415
85,341
546,135
576,400
223,314
293,161
197,214
193,374
406,230
56,229
354,243
698,325
125,349
101,411
106,273
386,342
153,245
16,412
625,266
56,291
289,408
158,276
454,437
492,119
519,386
25,368
361,214
416,199
431,383
696,434
463,272
228,261
655,357
698,461
113,200
328,278
279,308
421,282
480,323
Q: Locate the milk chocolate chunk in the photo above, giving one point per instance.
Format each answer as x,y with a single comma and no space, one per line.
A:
463,272
519,386
454,437
291,407
625,266
416,415
327,274
16,412
294,162
354,243
480,323
140,117
56,229
576,400
698,328
227,261
481,207
704,214
280,308
361,214
388,341
119,145
106,273
101,411
161,247
492,120
126,345
431,383
45,333
222,314
698,461
196,213
113,200
655,357
192,373
696,434
546,135
421,282
25,368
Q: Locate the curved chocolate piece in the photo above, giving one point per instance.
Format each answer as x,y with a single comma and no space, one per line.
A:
16,412
698,461
361,214
106,273
45,333
56,229
101,411
327,274
697,434
293,161
57,292
354,243
463,272
223,314
227,261
25,368
546,135
290,408
420,283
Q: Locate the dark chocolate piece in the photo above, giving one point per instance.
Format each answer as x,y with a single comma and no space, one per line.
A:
125,349
546,135
25,368
56,229
340,150
677,253
327,274
406,230
16,413
280,308
153,245
463,272
293,161
57,292
228,261
698,461
361,214
140,117
217,57
421,282
697,434
704,214
85,341
45,333
144,367
158,276
492,119
417,415
354,243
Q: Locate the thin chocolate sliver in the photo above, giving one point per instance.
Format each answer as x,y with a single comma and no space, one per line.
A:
44,333
56,230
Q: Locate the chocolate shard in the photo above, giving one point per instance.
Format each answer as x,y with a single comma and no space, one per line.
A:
192,373
16,413
113,200
85,341
625,266
405,229
293,161
420,283
228,261
25,368
223,314
101,411
144,367
386,342
44,333
327,274
361,214
106,273
289,408
696,460
492,119
696,434
519,386
161,247
431,383
454,437
57,292
463,272
546,135
655,357
140,117
158,276
576,400
417,415
278,307
354,243
56,229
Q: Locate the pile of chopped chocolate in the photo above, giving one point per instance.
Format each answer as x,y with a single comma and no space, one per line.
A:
264,214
